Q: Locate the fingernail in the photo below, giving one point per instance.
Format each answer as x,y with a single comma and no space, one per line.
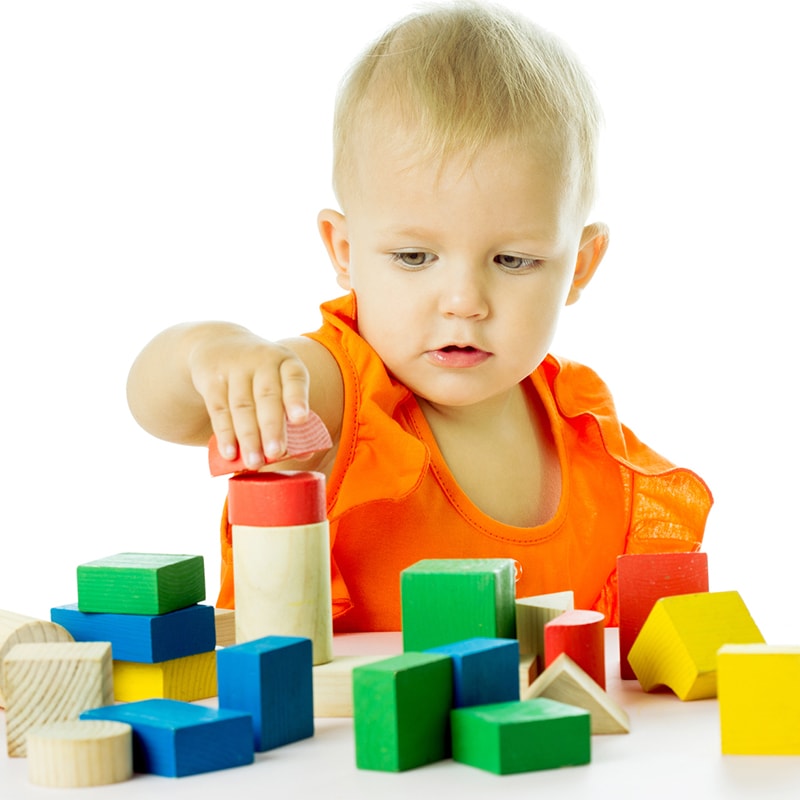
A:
296,413
273,450
254,460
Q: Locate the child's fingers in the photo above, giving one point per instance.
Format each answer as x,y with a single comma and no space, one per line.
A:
294,387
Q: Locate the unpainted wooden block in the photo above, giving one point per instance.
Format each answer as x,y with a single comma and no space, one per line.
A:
147,638
270,679
17,629
678,643
175,739
188,678
333,684
401,711
53,682
523,736
581,635
565,682
141,583
79,753
643,578
758,686
450,600
532,615
485,670
225,622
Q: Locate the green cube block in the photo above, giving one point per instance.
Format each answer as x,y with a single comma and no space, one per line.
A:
401,711
450,600
522,736
141,583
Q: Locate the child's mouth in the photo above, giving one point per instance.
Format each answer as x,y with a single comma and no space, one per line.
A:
457,357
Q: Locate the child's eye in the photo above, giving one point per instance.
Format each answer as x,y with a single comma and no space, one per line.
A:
413,259
516,263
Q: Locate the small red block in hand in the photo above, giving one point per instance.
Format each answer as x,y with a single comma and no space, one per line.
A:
302,440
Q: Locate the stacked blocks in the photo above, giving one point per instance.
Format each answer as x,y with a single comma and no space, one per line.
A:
146,605
270,679
758,686
533,613
450,600
401,711
53,682
507,738
175,739
678,643
644,578
484,670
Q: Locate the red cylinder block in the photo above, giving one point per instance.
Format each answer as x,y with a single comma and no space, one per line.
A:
276,499
581,635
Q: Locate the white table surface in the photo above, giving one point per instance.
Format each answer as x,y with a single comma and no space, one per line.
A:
672,751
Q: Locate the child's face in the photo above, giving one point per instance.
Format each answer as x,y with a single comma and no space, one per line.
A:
460,274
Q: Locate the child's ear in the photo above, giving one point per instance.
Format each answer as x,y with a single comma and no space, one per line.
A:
333,230
593,246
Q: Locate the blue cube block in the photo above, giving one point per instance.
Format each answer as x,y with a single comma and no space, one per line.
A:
174,739
146,639
270,679
485,670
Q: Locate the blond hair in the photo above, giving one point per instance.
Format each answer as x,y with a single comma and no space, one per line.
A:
461,76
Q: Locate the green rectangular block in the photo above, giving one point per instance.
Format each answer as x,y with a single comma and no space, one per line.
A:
450,600
522,736
401,711
141,583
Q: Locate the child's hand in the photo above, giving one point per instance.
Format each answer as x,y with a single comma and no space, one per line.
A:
250,387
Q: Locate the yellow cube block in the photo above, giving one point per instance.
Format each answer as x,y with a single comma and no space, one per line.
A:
759,699
189,678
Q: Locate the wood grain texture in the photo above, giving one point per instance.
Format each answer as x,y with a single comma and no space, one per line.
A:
18,629
189,678
67,755
53,682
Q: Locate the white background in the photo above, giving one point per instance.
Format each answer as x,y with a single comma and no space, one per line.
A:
164,161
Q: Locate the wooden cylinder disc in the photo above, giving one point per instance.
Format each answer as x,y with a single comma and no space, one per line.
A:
80,753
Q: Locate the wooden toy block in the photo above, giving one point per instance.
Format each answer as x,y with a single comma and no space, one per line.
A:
528,671
485,670
401,711
581,635
522,736
175,739
677,645
281,558
270,679
225,622
643,578
566,682
53,682
450,600
758,686
17,628
141,583
333,684
188,678
68,755
532,615
302,439
146,638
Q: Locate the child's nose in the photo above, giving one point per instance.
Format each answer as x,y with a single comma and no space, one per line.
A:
463,295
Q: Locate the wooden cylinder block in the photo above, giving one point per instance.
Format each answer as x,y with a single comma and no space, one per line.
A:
80,753
281,558
581,635
19,629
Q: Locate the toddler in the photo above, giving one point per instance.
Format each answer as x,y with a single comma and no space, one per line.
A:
464,168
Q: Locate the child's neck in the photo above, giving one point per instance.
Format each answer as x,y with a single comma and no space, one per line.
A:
502,455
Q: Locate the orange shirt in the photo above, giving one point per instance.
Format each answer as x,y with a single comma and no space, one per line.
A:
392,500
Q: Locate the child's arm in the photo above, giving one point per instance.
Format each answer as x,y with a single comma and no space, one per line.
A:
196,379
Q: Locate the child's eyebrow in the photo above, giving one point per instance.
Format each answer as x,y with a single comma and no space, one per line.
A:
526,239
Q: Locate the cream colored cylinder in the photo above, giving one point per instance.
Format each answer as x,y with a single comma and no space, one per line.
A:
282,584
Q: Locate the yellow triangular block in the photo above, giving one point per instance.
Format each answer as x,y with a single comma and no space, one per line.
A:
566,682
677,645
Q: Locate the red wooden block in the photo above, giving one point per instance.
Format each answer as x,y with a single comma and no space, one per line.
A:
302,440
276,499
581,635
644,578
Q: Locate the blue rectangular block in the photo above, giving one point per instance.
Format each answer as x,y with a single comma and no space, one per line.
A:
175,739
485,670
146,639
270,679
